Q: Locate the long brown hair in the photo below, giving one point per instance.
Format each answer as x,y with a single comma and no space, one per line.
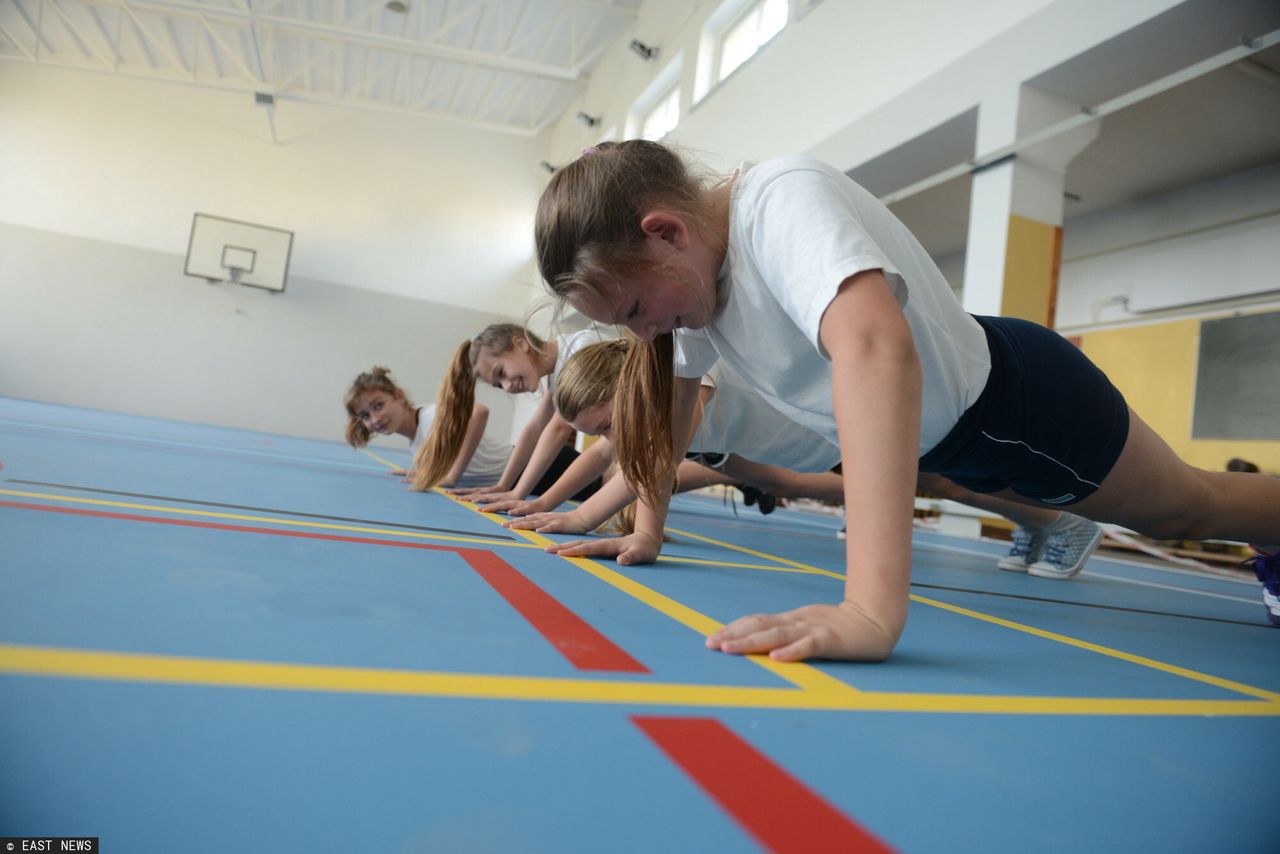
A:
456,400
589,238
594,376
589,378
587,227
378,379
643,444
638,377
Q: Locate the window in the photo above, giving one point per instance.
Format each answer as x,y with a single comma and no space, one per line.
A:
748,33
656,112
662,117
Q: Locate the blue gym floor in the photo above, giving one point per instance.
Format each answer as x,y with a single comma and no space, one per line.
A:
217,640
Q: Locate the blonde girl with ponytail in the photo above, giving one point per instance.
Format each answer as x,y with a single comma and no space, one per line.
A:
732,422
514,359
825,302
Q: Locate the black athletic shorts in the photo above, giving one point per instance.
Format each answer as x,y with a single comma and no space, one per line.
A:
1049,424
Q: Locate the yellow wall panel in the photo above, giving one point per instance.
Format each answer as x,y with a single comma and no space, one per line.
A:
1155,368
1032,257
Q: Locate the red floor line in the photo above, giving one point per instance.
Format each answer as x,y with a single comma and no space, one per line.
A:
582,645
586,648
218,526
782,813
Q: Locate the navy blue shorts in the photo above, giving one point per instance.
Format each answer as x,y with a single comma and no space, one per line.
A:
1049,425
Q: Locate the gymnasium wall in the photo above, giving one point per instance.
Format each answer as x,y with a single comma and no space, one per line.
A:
409,235
1155,367
107,326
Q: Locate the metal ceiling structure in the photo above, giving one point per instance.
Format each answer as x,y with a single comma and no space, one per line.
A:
505,65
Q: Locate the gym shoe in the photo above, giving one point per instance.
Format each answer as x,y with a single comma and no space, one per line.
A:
1068,544
766,502
1267,568
842,534
1026,549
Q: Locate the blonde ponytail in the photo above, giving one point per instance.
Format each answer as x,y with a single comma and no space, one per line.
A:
454,403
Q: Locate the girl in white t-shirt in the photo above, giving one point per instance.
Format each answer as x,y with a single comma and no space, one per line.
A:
515,360
376,404
813,291
736,438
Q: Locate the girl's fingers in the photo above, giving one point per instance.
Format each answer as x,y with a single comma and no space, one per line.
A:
803,647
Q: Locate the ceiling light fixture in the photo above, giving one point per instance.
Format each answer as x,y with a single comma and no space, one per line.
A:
588,119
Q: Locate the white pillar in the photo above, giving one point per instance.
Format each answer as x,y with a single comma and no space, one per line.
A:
1028,184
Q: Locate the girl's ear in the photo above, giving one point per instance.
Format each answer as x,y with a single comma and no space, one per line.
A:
521,342
666,227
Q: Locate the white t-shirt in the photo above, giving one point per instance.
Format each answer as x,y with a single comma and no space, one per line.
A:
570,344
737,420
797,229
487,463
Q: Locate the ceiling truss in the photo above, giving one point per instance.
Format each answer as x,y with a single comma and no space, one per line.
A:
506,65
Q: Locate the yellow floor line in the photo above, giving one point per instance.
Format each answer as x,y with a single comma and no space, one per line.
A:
801,675
791,563
479,541
1228,684
178,670
383,460
1064,639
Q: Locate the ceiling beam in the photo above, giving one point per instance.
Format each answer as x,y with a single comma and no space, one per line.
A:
180,8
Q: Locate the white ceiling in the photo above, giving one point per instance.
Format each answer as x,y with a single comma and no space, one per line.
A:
1216,124
507,65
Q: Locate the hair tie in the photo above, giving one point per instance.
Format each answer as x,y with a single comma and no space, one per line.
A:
591,149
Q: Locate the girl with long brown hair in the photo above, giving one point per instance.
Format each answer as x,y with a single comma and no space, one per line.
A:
816,294
517,361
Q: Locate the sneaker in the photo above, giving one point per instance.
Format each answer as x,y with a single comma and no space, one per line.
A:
1267,568
766,502
842,534
1026,549
1068,544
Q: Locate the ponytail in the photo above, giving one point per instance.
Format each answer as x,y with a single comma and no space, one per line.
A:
454,404
642,417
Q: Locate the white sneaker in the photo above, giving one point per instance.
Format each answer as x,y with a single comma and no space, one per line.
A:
1068,544
1026,549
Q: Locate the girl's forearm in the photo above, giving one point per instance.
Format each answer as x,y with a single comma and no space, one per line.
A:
589,465
553,438
607,501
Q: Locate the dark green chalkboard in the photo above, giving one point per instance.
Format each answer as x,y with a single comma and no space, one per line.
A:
1238,378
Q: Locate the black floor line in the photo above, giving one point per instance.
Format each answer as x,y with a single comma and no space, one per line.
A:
260,509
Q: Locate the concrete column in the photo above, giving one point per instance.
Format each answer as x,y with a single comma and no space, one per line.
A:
1015,209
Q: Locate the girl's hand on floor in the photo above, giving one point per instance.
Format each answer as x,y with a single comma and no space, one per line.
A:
551,523
484,499
516,508
841,631
473,490
628,550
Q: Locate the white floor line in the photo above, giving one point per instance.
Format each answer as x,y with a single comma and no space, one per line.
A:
1124,580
